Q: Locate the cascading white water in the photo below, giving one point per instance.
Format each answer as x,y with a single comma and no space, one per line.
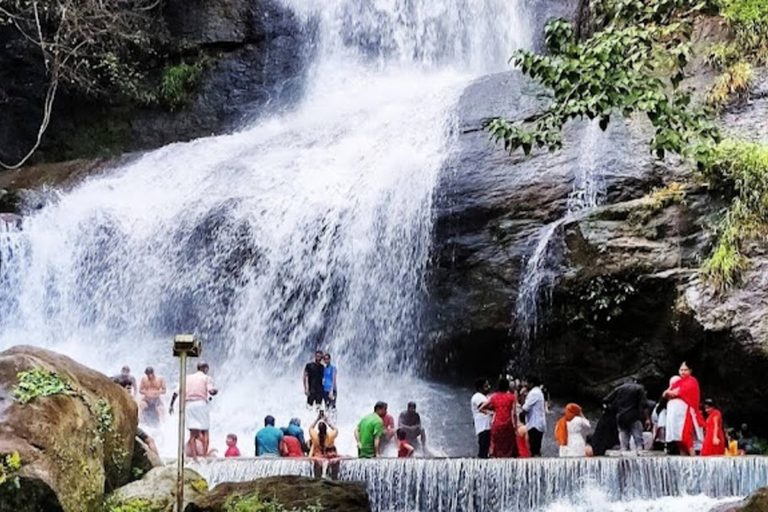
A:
311,229
636,484
587,193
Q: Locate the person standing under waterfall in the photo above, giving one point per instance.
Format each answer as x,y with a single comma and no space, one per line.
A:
329,383
369,432
313,380
199,392
684,419
481,418
629,402
152,388
535,414
714,433
503,403
125,373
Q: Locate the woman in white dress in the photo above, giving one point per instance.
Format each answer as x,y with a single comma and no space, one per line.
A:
570,432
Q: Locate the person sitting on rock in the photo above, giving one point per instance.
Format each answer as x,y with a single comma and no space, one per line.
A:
404,448
270,440
232,449
410,422
294,429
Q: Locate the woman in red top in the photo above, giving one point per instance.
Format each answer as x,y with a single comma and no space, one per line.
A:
503,403
685,427
714,434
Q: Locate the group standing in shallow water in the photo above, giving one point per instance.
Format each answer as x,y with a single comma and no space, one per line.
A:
510,422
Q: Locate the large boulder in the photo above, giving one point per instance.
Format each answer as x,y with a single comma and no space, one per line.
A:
292,492
73,444
756,502
157,489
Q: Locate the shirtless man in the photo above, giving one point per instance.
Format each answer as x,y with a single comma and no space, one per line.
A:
151,389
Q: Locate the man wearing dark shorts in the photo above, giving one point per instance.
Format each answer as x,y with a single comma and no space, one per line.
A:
313,380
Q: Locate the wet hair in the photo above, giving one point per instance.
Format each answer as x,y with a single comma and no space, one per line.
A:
123,381
503,384
379,405
708,402
319,352
295,421
125,369
322,434
201,365
232,437
328,355
149,370
687,365
401,434
480,383
269,421
411,405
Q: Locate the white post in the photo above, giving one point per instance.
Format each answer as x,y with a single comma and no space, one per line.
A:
182,411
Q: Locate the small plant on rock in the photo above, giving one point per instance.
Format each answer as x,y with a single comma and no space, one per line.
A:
9,466
38,382
255,503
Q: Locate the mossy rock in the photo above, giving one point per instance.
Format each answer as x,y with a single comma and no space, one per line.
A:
756,502
157,489
72,445
292,492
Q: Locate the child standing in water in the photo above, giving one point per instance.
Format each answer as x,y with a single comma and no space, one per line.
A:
405,449
523,447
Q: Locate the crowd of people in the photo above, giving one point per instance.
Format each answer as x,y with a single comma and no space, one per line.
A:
510,422
679,423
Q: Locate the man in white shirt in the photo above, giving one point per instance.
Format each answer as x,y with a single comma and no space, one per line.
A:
482,419
535,414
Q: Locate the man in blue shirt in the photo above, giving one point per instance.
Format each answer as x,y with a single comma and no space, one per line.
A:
269,440
329,382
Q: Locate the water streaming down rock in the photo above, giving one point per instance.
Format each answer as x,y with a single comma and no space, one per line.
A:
540,271
310,229
463,485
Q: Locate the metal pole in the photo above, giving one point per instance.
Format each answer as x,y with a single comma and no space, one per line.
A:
182,412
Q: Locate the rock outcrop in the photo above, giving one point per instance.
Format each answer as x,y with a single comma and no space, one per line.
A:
157,489
621,292
756,502
255,53
73,445
292,492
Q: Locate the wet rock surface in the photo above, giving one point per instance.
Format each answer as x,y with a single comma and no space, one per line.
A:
255,53
292,492
72,447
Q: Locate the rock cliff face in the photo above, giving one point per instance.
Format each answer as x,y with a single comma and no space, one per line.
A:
621,293
255,50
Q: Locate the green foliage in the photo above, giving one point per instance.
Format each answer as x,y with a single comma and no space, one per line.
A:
738,170
113,504
735,81
9,466
38,382
179,82
254,503
621,68
748,20
603,297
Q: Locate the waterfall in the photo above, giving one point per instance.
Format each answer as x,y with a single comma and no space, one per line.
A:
462,485
540,271
309,229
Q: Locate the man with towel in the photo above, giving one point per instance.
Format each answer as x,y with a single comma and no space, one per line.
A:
198,415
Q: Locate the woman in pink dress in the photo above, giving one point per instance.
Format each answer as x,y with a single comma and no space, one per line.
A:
503,403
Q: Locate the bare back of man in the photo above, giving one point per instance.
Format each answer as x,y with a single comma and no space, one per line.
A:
152,388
